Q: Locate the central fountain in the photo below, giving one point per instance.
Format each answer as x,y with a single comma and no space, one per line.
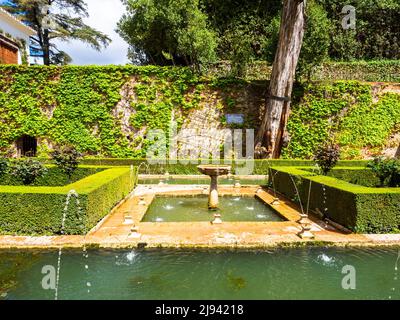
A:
214,171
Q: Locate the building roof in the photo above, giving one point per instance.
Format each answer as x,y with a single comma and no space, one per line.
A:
6,16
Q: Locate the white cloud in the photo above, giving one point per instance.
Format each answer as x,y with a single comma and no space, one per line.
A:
104,16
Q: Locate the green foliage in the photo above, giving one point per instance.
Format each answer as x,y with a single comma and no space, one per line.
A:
378,71
248,31
314,50
261,166
3,166
54,177
168,32
75,105
326,156
385,170
361,176
255,24
370,124
376,33
344,111
78,106
67,159
361,209
39,210
66,17
28,170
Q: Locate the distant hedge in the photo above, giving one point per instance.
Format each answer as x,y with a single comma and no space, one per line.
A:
360,176
38,210
53,178
185,167
375,71
361,209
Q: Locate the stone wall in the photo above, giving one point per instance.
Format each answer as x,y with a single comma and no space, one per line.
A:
204,128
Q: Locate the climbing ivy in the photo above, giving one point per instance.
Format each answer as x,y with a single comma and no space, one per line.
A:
77,106
74,105
344,111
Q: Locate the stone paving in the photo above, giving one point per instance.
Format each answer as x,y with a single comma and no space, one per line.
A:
115,230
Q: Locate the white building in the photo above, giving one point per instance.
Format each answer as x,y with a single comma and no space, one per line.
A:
14,39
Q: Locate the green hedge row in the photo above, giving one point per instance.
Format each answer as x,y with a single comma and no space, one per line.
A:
39,210
359,208
360,176
375,71
185,167
53,178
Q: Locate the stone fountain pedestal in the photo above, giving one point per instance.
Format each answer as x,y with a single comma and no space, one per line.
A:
214,171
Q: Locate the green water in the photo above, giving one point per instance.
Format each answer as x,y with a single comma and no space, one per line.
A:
202,180
304,273
181,209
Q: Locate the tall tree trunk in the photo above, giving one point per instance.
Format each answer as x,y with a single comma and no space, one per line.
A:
270,136
46,48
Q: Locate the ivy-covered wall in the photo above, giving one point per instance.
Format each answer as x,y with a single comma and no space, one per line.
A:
107,111
360,117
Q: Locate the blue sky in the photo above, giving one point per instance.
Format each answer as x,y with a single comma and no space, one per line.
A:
103,15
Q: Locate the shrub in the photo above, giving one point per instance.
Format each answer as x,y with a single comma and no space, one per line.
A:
30,210
326,156
54,177
67,159
168,33
29,170
387,170
3,166
358,208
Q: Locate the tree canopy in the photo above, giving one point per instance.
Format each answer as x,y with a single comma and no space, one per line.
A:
56,19
199,31
168,32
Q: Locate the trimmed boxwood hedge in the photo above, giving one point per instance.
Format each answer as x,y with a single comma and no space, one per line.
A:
184,167
54,177
361,176
27,210
359,208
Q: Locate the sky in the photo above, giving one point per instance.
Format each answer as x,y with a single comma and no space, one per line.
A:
103,16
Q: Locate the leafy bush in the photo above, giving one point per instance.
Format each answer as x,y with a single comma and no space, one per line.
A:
3,166
387,170
54,177
173,32
67,159
361,209
29,170
327,156
376,33
38,210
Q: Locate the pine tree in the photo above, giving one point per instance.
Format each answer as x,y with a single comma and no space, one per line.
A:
56,19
